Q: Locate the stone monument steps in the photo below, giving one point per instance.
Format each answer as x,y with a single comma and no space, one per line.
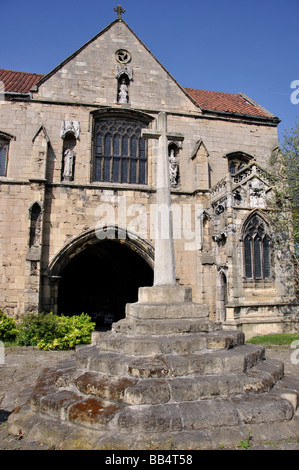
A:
238,359
94,413
164,326
126,405
64,392
183,343
132,390
148,380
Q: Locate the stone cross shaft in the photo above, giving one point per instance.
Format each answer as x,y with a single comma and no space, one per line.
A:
164,270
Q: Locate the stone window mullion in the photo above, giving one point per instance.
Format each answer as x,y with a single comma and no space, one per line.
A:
118,147
257,250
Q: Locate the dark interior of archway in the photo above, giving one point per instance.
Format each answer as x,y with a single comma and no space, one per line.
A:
101,280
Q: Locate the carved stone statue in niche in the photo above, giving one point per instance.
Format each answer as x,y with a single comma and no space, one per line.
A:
257,195
35,225
68,167
173,168
124,76
123,92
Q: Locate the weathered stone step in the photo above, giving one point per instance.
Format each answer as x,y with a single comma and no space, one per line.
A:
165,294
171,406
180,389
67,405
239,359
204,414
288,388
261,378
204,424
110,363
164,326
145,345
103,386
88,399
166,311
97,398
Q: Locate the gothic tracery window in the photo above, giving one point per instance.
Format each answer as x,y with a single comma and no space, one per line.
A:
120,153
257,249
236,161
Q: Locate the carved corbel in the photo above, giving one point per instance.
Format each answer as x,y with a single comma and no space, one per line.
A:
124,70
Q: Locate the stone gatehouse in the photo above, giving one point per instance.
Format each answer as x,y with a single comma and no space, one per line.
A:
78,179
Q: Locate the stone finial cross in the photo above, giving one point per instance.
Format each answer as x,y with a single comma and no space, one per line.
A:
119,10
164,270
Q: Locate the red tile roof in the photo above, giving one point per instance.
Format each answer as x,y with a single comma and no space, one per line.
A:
18,82
22,82
226,102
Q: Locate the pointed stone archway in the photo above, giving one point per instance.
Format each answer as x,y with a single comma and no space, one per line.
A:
98,273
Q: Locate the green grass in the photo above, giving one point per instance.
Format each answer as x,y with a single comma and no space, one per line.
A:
281,339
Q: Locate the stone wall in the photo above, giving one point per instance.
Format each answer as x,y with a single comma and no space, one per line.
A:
82,85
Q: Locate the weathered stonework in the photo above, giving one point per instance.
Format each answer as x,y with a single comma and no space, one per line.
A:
209,255
200,389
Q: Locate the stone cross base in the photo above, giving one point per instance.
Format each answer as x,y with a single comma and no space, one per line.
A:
165,294
165,377
165,303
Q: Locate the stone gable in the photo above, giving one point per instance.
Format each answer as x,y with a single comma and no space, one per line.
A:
90,75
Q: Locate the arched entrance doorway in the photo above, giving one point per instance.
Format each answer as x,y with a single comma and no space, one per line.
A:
100,277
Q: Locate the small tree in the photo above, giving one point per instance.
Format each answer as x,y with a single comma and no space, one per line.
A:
285,174
290,155
284,204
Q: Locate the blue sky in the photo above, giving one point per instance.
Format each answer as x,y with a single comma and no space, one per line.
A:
222,45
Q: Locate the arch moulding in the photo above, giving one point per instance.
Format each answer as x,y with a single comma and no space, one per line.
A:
99,235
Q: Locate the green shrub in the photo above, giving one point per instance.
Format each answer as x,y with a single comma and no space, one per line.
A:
34,327
8,328
48,331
